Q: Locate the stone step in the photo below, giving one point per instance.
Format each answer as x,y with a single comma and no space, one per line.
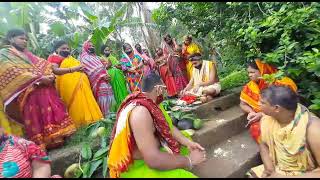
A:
217,105
62,158
231,158
221,126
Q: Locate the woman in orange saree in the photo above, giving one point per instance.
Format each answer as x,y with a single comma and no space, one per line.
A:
250,94
27,87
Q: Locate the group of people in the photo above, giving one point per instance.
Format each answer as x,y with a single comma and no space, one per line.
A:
47,100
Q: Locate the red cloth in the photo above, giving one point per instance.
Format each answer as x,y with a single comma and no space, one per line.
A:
55,59
168,80
189,99
160,123
255,132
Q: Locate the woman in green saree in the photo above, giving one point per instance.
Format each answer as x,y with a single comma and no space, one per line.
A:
118,81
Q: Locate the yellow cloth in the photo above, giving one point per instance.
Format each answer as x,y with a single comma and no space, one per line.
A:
10,127
75,91
287,145
191,49
202,75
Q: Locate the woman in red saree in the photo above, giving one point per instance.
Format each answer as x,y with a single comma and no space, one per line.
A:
250,94
165,73
27,85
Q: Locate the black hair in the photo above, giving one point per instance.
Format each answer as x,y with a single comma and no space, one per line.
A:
192,56
125,44
166,36
282,96
253,64
13,33
148,82
103,47
137,45
58,44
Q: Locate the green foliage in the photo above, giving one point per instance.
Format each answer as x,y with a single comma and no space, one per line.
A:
93,160
235,79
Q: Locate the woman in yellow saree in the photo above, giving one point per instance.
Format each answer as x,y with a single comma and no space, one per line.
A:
250,94
74,86
188,49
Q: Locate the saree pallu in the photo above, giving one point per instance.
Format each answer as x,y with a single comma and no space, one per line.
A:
44,116
178,71
287,145
134,79
187,51
103,92
168,79
118,81
96,72
75,91
250,93
119,86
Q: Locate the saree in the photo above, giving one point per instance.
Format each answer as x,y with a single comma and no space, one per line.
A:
121,162
179,74
168,79
44,116
118,81
75,91
16,156
192,48
101,88
134,79
147,68
287,145
250,94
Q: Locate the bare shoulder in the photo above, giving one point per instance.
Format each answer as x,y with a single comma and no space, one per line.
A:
314,126
140,116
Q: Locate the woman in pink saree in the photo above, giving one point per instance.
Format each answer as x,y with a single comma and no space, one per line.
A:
27,85
99,78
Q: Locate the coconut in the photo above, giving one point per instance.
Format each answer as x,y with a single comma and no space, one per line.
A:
72,170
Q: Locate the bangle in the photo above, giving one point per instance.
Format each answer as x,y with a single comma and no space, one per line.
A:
70,70
190,163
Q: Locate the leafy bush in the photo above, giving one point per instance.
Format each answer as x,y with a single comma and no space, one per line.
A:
235,79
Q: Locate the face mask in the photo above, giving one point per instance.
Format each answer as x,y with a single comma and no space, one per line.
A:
199,66
91,50
129,52
64,53
107,54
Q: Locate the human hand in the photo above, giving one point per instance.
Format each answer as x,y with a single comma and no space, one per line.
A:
196,88
275,175
193,146
47,80
197,157
267,172
107,77
253,117
79,68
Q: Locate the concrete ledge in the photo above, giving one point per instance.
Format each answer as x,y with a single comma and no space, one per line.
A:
230,158
221,127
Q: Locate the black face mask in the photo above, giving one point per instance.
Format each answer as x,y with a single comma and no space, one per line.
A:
107,54
199,66
129,52
64,53
91,50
